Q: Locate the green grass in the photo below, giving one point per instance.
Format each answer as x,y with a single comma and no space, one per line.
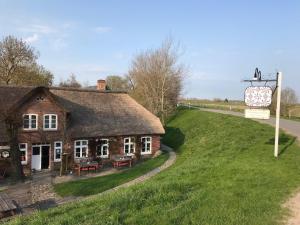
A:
225,173
99,184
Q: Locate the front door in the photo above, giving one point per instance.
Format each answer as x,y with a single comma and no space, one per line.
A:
40,157
36,158
45,156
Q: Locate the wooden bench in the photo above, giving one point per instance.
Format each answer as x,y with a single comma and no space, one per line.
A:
7,207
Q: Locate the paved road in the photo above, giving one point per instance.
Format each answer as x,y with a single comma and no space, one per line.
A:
289,126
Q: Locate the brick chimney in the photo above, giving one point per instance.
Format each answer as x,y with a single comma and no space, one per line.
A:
101,85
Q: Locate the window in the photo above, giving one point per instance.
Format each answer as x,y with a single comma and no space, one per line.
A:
129,145
23,150
50,122
81,149
146,145
57,151
30,122
102,149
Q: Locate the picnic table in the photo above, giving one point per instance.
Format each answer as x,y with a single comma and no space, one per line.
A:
122,161
86,166
7,207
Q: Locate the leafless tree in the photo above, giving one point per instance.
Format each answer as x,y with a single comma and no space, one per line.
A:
70,82
156,79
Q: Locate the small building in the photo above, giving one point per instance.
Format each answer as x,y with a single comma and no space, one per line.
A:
79,123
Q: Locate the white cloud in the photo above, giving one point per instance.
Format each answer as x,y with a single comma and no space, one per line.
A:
39,29
101,29
31,39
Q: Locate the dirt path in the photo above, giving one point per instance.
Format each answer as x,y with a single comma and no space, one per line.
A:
293,128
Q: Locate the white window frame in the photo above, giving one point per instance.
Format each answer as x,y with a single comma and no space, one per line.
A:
145,145
61,150
81,146
101,150
26,152
130,142
30,121
50,121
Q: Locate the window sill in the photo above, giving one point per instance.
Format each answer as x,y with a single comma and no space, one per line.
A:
57,160
24,163
35,129
146,153
50,129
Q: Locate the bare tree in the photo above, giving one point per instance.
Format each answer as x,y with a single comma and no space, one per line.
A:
117,83
156,78
70,82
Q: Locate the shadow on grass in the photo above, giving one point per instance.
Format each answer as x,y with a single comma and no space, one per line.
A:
173,137
285,140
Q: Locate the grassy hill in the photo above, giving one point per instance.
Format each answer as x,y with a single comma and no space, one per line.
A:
225,174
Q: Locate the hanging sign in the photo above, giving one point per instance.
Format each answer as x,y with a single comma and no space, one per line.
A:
263,114
258,96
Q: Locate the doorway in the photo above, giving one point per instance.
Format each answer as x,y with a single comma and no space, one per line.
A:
40,157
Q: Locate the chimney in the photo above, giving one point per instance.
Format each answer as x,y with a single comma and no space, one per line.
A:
101,85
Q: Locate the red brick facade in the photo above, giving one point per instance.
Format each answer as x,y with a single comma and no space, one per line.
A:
42,104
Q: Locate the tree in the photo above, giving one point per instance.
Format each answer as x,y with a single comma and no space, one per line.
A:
70,82
156,79
18,64
13,123
288,99
117,83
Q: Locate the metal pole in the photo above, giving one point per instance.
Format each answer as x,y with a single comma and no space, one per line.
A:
279,81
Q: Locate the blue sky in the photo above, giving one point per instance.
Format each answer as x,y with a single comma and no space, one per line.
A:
222,41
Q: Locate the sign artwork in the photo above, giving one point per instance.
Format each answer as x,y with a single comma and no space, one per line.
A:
258,96
263,114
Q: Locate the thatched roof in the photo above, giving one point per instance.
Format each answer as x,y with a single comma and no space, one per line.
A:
92,113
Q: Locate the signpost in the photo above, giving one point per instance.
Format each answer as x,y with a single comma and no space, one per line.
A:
260,97
279,81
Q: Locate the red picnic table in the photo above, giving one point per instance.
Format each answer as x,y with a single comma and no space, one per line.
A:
119,161
87,166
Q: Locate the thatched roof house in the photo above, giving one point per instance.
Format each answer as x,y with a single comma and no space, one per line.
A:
79,114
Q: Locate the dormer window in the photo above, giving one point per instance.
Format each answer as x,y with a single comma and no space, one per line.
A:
50,122
30,122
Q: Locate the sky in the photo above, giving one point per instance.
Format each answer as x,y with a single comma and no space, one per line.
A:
221,42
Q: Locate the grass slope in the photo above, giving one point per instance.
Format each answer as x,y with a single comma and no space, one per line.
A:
99,184
225,173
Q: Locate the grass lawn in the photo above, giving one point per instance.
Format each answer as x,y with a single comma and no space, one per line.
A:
99,184
225,173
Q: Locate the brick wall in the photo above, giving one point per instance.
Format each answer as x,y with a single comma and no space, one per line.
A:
40,104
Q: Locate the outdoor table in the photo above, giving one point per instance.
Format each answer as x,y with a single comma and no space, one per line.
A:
6,205
122,161
86,166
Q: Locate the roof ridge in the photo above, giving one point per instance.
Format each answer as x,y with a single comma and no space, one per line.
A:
64,88
86,90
